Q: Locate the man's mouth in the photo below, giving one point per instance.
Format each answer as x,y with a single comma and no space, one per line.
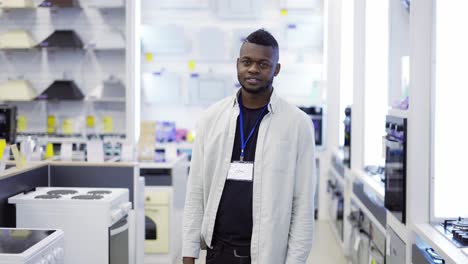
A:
252,81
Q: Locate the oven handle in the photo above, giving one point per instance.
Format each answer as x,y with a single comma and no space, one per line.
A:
119,229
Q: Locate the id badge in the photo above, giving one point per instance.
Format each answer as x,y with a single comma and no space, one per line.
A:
241,171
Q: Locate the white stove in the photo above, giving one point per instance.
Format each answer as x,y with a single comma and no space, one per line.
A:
94,220
31,246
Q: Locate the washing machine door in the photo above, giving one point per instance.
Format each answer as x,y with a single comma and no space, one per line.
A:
151,229
363,249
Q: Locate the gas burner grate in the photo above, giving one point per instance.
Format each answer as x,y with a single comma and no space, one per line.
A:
99,192
88,197
48,196
62,192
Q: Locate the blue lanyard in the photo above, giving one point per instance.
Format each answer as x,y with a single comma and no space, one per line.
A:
241,123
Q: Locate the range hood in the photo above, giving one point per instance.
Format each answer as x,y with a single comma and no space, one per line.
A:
110,90
62,90
59,3
62,39
112,40
17,90
16,4
16,39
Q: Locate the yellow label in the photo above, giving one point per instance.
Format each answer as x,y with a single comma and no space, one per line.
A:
284,12
67,126
191,65
22,123
2,147
374,261
90,122
108,124
149,57
51,124
190,137
49,151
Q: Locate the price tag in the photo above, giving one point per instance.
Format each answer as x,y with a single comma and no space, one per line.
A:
4,156
95,151
22,123
284,12
192,65
2,147
108,124
66,151
149,57
49,151
90,123
51,124
67,126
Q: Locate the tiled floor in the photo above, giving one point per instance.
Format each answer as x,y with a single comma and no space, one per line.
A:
325,250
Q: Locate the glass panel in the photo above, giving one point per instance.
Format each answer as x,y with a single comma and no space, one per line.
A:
450,178
16,241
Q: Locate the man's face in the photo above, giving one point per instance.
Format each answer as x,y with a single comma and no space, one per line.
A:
257,65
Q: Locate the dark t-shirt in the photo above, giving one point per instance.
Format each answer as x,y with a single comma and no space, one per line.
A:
234,217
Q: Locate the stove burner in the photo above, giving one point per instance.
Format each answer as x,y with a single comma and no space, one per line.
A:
88,197
61,192
461,225
457,231
99,192
48,196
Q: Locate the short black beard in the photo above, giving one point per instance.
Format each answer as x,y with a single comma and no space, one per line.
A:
256,91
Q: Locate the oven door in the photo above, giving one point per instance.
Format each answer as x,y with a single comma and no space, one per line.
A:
119,242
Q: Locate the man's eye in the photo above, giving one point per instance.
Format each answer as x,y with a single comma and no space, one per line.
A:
264,65
246,62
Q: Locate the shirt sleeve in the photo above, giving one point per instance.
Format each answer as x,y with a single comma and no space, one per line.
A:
194,207
302,217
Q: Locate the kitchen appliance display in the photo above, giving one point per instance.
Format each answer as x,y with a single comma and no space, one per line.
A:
456,231
395,167
316,115
8,115
94,220
31,246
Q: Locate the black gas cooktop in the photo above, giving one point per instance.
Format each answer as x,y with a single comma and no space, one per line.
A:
456,231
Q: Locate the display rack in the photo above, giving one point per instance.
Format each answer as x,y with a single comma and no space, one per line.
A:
74,45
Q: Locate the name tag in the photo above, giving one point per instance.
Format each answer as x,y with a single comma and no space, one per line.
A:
241,171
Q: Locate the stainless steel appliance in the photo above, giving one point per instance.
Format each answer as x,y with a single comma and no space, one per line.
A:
425,255
94,220
31,246
316,115
8,121
395,167
347,138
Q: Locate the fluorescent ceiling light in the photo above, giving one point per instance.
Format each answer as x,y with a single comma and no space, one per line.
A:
16,39
17,90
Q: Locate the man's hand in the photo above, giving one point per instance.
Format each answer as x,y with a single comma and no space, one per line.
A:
187,260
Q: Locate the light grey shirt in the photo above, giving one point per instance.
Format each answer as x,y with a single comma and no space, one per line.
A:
283,186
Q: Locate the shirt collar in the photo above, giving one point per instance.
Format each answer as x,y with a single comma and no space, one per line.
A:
272,105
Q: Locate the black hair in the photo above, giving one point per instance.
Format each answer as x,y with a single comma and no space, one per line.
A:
262,37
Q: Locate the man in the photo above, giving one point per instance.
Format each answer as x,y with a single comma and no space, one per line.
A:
250,196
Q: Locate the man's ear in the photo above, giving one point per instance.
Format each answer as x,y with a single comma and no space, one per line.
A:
277,69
